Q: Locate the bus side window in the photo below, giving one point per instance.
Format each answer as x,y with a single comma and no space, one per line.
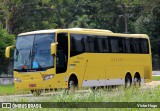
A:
77,44
73,48
96,44
128,45
121,45
105,43
132,46
100,44
144,46
137,45
91,43
114,45
86,44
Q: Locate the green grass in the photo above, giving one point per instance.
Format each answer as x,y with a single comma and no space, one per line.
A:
7,89
102,95
156,78
10,90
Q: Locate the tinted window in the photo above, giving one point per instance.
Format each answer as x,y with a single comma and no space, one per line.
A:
121,45
100,44
77,44
135,45
86,43
90,43
96,44
103,44
128,45
144,46
114,45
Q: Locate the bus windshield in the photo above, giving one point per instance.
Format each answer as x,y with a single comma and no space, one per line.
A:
32,52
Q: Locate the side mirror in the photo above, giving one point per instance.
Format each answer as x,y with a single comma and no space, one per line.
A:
7,51
53,48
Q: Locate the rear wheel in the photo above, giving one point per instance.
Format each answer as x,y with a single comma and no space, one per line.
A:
137,82
36,92
128,81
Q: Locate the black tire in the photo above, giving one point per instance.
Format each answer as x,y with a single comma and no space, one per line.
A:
128,81
36,92
72,84
137,82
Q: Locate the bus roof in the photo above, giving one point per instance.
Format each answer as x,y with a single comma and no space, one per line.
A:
86,31
38,32
65,30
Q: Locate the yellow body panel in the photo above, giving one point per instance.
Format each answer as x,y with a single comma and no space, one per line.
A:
97,67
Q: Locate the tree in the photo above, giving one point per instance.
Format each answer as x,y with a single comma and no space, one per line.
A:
6,40
25,15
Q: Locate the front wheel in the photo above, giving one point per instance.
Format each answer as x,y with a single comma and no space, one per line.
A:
72,84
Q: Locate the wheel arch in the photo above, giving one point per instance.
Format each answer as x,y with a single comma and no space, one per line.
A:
128,74
73,76
137,75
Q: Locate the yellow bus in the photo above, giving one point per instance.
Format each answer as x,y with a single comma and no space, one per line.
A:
77,57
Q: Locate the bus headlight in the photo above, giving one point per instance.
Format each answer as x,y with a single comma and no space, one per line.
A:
46,77
17,79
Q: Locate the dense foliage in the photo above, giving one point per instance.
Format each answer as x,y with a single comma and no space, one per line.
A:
5,40
123,16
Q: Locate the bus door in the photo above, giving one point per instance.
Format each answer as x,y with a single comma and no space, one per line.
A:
61,59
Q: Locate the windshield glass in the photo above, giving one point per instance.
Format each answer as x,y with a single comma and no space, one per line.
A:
32,52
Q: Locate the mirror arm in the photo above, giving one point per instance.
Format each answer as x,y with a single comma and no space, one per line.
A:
7,52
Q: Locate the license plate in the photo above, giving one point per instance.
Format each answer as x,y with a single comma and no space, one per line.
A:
32,85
